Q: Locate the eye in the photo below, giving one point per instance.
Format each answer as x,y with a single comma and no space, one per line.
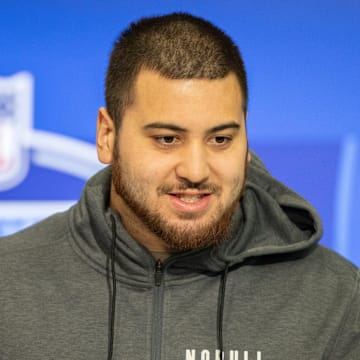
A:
221,140
166,140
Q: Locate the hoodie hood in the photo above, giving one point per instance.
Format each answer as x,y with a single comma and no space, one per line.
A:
275,220
271,220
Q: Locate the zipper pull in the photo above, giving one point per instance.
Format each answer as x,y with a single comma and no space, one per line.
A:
158,272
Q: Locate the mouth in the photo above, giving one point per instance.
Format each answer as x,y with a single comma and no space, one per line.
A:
190,202
190,198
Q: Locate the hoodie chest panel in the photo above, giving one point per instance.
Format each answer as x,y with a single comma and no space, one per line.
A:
47,319
264,318
134,322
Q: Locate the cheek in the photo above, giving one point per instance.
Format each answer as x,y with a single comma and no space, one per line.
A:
150,169
133,155
231,168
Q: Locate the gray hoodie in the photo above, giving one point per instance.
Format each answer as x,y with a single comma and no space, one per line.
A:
270,292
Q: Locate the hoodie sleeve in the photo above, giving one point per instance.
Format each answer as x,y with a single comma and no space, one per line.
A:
347,344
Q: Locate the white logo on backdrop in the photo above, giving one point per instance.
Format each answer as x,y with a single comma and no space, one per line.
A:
16,99
20,145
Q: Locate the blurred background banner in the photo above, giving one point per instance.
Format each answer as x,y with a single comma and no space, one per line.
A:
303,63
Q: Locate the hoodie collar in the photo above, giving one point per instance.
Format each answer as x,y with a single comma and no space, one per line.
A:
271,219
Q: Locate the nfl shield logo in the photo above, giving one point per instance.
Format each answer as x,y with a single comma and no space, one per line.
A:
16,113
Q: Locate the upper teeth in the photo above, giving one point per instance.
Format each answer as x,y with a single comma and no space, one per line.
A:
189,198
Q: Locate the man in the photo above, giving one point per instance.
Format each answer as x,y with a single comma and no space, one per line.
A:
185,248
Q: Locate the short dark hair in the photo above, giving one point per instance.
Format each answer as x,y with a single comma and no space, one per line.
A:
178,46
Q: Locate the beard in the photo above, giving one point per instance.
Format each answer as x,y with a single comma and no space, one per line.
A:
190,232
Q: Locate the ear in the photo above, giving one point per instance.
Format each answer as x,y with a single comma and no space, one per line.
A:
248,153
105,136
248,156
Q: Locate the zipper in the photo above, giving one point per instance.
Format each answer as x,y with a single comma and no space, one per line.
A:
158,272
157,310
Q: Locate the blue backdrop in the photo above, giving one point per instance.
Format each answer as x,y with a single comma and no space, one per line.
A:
303,62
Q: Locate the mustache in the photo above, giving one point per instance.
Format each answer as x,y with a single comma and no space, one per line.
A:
169,188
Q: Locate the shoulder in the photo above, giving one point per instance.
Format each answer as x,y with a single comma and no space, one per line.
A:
332,279
344,278
330,261
35,238
319,274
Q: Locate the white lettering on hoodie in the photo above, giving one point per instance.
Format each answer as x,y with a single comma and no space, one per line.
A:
205,354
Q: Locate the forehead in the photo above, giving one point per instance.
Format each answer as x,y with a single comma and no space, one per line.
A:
148,80
157,98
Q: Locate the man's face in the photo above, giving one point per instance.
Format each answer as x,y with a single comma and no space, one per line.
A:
179,162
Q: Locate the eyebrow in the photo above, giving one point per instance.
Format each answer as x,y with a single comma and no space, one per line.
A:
168,126
229,125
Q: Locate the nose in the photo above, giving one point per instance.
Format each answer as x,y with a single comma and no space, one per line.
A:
193,166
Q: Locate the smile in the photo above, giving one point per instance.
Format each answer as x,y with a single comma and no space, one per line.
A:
191,198
190,202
